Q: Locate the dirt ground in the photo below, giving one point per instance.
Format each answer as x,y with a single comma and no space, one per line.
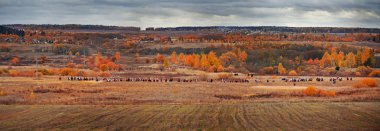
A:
252,116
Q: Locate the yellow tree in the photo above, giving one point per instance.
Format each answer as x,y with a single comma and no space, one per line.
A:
173,57
281,69
365,55
204,62
325,60
358,57
213,60
340,59
334,58
350,60
166,62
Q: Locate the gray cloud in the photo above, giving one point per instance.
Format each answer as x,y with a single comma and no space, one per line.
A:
167,13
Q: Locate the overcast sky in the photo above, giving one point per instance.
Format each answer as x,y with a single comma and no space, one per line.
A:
171,13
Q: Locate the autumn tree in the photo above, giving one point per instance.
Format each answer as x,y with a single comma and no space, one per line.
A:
213,60
228,58
197,61
103,67
14,61
182,58
159,57
350,60
281,69
326,60
173,57
310,61
243,57
189,60
365,55
204,62
165,62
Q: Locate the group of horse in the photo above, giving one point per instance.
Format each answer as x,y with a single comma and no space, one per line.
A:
162,79
149,79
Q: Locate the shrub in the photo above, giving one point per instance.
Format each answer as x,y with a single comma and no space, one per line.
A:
30,96
374,73
327,93
45,72
268,70
103,67
67,71
312,91
104,74
370,82
81,73
211,69
2,93
366,82
359,85
363,70
292,73
80,66
70,65
358,74
203,77
224,75
13,73
5,71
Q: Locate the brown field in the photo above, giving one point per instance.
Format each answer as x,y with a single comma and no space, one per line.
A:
253,116
49,90
73,105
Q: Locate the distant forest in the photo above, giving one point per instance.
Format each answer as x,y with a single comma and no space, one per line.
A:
8,31
273,29
72,27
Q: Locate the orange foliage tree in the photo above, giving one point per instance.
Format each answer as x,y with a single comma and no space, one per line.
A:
14,61
173,57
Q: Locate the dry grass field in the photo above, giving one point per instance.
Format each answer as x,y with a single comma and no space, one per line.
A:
253,116
49,90
50,104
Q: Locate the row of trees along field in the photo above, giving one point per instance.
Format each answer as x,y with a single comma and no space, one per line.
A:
293,57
